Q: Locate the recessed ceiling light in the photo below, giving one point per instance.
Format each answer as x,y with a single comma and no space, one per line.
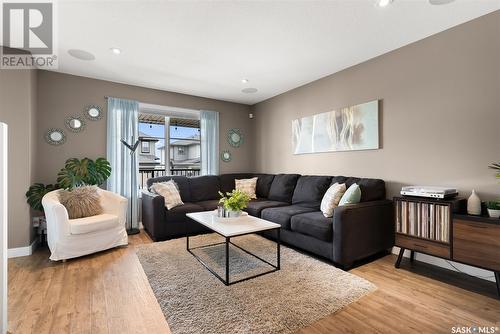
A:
440,2
81,54
244,80
383,3
116,51
249,90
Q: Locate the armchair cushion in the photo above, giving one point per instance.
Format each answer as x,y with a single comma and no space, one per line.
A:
91,224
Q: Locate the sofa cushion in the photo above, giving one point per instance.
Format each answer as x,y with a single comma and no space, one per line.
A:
227,183
204,188
264,182
310,190
181,181
313,224
282,215
91,224
178,214
282,187
255,207
208,205
371,189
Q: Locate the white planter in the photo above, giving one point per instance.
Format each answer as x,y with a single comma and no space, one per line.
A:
494,213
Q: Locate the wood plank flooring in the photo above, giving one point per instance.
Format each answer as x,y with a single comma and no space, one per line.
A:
109,293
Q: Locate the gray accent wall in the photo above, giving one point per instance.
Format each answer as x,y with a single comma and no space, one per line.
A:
440,114
62,95
18,111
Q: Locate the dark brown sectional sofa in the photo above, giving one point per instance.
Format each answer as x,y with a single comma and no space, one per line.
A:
355,232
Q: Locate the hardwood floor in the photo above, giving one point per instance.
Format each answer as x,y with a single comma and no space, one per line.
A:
109,293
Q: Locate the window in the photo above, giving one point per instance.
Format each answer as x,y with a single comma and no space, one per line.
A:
181,155
145,147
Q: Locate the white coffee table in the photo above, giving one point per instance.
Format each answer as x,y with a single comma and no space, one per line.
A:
234,227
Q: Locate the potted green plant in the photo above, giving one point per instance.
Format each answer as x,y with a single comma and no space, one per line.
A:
493,209
75,173
234,202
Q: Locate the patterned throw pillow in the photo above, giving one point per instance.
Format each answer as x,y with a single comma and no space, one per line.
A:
247,186
81,202
170,192
331,199
352,195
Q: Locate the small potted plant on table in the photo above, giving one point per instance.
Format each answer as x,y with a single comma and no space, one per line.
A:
493,209
234,202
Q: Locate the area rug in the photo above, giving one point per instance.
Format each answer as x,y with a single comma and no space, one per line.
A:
193,300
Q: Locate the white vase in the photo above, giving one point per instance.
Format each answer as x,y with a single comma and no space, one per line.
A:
494,213
474,204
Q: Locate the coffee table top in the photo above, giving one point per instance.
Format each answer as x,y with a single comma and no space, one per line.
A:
231,227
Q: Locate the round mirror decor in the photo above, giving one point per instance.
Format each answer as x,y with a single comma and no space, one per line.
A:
235,138
55,136
225,156
93,112
75,124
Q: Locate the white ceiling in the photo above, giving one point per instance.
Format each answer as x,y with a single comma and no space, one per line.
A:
205,48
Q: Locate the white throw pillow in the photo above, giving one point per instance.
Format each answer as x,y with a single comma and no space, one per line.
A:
332,198
170,192
247,186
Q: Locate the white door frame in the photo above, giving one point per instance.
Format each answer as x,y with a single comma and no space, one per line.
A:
3,227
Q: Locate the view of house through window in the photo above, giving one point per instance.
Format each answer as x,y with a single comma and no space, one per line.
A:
168,146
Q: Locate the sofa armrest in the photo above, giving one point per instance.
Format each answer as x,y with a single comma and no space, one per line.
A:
153,211
361,230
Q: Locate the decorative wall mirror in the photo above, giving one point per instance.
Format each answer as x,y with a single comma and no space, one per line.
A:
94,113
55,136
235,138
75,123
225,156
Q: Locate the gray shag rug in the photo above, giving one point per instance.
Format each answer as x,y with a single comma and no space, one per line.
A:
194,301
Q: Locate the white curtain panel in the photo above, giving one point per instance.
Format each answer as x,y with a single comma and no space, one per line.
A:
209,127
123,124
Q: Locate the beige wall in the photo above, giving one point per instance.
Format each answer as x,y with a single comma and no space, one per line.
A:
440,114
63,95
17,109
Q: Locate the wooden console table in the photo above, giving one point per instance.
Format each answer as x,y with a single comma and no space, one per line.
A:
436,227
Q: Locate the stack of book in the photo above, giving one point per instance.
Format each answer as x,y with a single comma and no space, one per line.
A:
423,220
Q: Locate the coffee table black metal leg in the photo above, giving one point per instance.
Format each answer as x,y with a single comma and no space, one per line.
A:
278,253
187,242
227,261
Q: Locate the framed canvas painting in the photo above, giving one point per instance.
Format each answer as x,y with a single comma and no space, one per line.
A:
347,129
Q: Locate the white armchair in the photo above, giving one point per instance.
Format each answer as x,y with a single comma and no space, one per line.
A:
69,238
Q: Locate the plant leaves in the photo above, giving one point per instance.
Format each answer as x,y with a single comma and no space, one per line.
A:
35,194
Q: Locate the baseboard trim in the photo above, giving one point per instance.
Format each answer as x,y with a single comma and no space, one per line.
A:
22,251
473,271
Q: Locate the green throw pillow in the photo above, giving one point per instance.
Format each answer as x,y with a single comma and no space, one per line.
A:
351,196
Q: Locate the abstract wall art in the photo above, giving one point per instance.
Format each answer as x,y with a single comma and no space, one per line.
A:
347,129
